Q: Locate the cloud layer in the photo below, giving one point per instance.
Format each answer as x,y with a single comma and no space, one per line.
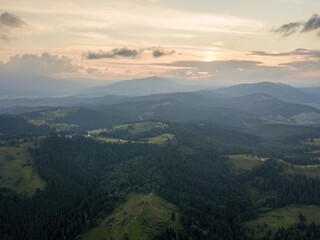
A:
232,71
31,64
296,52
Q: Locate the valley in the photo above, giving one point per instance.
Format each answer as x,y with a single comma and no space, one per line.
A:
159,120
161,166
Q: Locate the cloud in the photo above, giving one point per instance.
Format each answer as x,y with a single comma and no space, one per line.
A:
312,24
304,65
230,70
122,52
126,52
288,29
237,71
159,52
296,52
31,64
9,21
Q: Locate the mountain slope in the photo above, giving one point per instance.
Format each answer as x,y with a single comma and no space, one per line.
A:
140,87
166,109
277,90
265,105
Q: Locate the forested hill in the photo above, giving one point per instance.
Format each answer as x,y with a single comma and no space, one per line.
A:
85,178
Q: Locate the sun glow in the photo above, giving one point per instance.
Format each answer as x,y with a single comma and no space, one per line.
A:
209,58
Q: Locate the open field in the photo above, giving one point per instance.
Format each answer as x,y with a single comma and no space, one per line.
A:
112,140
281,217
98,131
58,126
307,118
139,127
308,170
312,142
161,139
133,128
141,217
16,170
244,161
52,115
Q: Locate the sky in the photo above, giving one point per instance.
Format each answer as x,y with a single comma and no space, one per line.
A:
203,41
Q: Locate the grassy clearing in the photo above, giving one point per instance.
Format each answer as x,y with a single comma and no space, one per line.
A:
141,217
308,170
52,115
312,142
16,170
161,139
139,127
281,217
244,161
307,118
112,140
60,127
133,128
38,122
98,131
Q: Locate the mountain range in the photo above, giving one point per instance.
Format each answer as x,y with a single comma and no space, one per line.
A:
163,99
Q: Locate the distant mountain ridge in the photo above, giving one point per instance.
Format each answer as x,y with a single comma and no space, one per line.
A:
140,87
280,91
242,102
266,106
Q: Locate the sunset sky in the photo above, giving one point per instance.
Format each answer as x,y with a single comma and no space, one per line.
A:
218,42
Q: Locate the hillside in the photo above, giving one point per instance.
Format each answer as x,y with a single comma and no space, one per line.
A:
280,91
139,87
17,169
142,216
271,108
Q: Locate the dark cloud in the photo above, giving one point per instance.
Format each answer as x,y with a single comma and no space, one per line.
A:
288,29
122,52
11,20
125,52
296,52
159,52
312,24
8,22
